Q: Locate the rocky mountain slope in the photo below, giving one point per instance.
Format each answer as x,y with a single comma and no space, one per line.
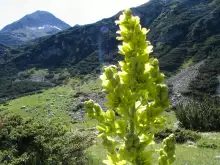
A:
31,26
182,32
3,48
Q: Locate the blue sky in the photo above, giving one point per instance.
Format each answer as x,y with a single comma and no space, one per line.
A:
71,11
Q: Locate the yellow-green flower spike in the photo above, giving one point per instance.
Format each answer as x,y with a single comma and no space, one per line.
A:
136,97
167,156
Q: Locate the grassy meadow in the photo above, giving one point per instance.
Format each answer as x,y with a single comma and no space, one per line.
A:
56,103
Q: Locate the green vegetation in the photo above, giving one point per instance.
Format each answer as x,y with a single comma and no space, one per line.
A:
181,135
180,30
185,154
90,84
200,115
209,140
214,2
194,148
187,63
183,33
20,88
47,142
51,103
136,94
37,129
206,82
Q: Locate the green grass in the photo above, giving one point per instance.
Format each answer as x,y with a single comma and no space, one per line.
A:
86,124
91,86
59,99
51,103
187,63
96,153
209,140
54,102
171,119
186,155
196,156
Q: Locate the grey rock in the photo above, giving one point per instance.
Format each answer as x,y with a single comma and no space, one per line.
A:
23,107
217,157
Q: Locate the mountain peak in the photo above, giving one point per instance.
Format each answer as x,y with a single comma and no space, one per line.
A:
30,27
41,11
36,19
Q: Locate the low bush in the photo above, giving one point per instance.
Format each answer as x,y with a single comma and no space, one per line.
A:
49,76
181,135
21,88
31,142
3,102
200,115
62,77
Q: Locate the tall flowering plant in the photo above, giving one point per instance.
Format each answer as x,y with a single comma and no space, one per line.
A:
135,93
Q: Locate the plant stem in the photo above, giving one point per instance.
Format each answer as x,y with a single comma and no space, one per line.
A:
132,131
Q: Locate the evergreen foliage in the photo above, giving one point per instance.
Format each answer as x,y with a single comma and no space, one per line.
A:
199,115
33,142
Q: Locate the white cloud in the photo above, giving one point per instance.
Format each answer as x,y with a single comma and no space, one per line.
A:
71,11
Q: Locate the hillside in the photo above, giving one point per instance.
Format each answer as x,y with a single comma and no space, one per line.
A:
182,31
31,26
3,48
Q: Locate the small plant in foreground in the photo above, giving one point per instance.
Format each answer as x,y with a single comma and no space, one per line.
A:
138,97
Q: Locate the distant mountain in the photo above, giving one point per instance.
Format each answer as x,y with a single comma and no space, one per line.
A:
183,33
3,49
31,26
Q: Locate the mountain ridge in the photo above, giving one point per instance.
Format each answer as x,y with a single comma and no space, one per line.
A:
36,19
30,27
181,31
